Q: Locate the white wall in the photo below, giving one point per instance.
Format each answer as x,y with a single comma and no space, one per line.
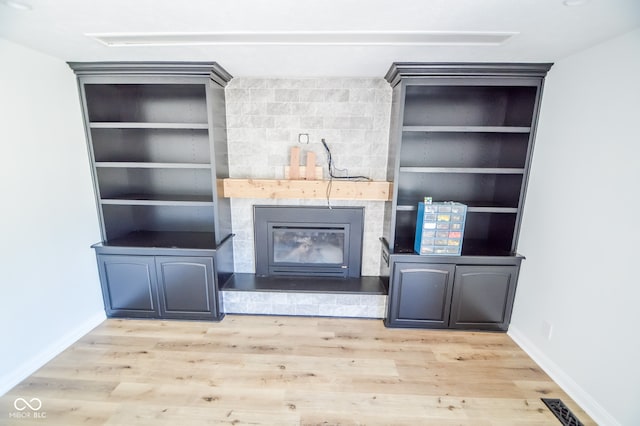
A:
49,288
581,231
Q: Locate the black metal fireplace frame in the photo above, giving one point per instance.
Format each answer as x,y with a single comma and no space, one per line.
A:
349,218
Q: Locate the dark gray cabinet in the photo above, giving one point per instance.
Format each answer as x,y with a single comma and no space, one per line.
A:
432,292
186,287
464,133
420,295
129,286
156,135
168,287
483,297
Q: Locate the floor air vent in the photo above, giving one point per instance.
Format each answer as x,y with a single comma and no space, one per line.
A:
562,412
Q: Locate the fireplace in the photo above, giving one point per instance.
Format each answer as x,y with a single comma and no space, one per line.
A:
308,241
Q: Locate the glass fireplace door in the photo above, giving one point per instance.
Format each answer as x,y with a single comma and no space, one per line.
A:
308,250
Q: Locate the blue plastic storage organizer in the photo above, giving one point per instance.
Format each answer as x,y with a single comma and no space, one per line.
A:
440,228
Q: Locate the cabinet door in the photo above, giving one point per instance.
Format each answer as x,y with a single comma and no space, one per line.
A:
187,287
420,295
129,286
483,297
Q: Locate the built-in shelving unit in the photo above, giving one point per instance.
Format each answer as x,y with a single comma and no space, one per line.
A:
463,133
468,139
152,145
156,135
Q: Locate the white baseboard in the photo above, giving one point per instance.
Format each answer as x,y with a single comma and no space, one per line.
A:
601,416
48,353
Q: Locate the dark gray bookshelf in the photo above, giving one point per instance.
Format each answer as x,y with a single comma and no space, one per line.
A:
463,133
156,135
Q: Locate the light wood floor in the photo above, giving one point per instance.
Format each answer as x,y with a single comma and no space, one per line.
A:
287,371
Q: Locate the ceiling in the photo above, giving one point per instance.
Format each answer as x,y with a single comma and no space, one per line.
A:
300,38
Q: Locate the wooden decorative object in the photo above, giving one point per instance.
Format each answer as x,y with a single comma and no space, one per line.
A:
310,170
303,172
294,165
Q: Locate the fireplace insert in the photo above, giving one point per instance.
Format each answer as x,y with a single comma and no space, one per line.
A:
308,241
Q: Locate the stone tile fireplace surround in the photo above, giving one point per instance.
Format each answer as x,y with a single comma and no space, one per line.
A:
264,118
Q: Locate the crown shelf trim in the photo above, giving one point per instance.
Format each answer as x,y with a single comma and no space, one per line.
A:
213,70
403,70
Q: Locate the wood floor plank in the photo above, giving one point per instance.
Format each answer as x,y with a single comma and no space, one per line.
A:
267,370
134,415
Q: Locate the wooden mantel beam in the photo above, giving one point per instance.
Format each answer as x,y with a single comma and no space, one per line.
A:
307,189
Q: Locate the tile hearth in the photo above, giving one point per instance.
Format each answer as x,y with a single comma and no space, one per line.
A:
364,297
